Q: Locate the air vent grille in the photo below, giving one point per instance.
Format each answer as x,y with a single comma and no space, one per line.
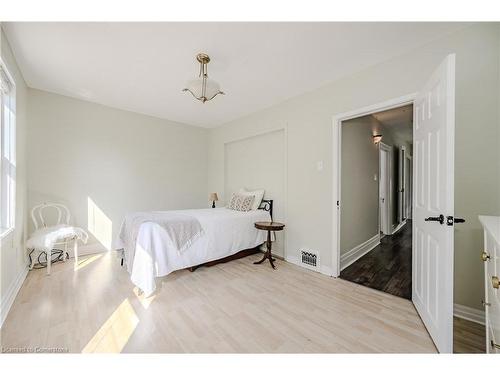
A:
309,258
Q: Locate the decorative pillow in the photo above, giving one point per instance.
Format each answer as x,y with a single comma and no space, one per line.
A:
258,194
240,202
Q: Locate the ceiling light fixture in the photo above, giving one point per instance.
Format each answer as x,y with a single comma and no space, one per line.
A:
377,138
203,88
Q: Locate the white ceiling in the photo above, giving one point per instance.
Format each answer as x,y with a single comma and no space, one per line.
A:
143,67
399,121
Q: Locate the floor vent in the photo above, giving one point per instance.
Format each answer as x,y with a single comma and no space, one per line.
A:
309,258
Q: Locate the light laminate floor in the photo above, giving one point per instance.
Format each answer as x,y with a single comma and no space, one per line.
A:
232,307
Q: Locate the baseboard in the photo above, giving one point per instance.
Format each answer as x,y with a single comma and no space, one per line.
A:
468,313
396,229
354,254
94,248
10,296
325,270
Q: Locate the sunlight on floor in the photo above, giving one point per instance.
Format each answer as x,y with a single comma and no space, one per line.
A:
85,262
145,301
115,332
99,224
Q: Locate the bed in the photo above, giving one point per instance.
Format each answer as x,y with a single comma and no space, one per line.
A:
224,235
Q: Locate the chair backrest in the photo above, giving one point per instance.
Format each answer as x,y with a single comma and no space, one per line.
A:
63,215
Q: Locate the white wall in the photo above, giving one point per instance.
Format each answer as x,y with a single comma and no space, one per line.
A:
259,162
308,119
359,190
12,255
103,162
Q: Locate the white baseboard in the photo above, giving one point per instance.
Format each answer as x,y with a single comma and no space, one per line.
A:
10,296
93,248
468,313
396,229
354,254
325,270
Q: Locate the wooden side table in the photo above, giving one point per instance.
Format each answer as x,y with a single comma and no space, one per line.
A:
269,226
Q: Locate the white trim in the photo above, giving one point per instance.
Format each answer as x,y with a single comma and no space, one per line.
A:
398,228
10,295
354,254
94,248
4,232
469,313
324,270
388,188
336,165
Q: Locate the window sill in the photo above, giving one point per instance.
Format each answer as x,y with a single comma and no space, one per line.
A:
4,232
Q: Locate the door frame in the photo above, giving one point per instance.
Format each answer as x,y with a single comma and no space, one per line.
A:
388,187
336,164
408,187
401,184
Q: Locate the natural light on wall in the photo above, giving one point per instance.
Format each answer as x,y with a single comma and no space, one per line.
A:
115,332
99,224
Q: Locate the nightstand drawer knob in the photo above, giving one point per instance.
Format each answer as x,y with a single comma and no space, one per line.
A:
495,282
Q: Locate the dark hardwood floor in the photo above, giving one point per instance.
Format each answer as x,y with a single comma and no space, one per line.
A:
387,267
468,337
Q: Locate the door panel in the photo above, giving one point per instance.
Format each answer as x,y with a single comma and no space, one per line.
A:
433,192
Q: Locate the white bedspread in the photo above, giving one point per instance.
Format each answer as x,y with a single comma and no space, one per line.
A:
225,232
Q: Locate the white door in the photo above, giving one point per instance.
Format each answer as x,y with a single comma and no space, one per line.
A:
401,184
407,187
433,194
384,188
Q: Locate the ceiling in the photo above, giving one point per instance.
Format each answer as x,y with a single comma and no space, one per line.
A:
142,67
399,121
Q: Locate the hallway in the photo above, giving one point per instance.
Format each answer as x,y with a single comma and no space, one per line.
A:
387,267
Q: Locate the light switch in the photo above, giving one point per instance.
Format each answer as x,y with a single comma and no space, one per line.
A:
319,165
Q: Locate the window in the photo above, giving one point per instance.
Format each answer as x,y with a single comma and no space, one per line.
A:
7,151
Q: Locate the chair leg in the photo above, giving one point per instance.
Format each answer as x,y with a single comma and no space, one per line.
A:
49,260
75,252
65,251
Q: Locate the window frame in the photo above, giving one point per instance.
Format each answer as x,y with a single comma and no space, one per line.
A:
8,221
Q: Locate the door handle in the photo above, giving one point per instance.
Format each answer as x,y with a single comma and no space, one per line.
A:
450,220
439,219
495,282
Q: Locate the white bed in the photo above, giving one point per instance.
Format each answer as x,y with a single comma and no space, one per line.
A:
225,232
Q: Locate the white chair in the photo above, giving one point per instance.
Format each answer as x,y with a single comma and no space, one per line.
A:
46,237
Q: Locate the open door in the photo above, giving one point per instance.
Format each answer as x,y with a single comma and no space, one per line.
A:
384,190
433,194
401,183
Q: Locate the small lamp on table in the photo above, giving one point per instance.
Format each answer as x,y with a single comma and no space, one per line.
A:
213,197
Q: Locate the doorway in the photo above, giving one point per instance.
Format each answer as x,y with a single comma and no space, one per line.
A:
375,222
432,191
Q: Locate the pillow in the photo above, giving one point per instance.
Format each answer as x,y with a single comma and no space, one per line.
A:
258,194
240,202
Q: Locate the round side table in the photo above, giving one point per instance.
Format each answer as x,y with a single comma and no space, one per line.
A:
269,226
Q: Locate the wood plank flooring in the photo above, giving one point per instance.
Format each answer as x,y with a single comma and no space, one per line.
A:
468,337
387,267
232,307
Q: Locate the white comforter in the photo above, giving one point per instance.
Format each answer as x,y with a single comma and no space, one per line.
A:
225,232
